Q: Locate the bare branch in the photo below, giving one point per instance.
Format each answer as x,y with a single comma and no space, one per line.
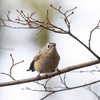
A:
64,89
39,31
7,14
47,82
35,24
8,75
90,71
13,64
27,88
49,75
63,80
89,88
3,23
47,95
97,27
66,16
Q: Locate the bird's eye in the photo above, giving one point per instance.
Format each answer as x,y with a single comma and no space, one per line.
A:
48,46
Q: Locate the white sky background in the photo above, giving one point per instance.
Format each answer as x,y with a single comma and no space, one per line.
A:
84,19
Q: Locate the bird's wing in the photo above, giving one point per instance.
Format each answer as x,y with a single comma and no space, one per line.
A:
32,63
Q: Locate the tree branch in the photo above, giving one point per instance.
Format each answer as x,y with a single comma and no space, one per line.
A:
97,27
49,75
13,64
64,89
89,88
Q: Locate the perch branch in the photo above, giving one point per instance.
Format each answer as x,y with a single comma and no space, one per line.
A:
49,75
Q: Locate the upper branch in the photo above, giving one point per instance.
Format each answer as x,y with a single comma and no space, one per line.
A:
31,23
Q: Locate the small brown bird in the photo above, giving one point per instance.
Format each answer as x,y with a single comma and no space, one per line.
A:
46,60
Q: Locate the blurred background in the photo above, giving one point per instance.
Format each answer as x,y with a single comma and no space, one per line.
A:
23,44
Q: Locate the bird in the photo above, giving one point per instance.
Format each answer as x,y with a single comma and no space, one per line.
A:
46,60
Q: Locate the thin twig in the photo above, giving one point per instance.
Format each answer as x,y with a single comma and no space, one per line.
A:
7,75
44,85
27,88
13,64
39,31
7,14
85,46
97,27
47,82
63,80
94,93
55,91
35,24
90,71
47,96
68,26
89,88
66,17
